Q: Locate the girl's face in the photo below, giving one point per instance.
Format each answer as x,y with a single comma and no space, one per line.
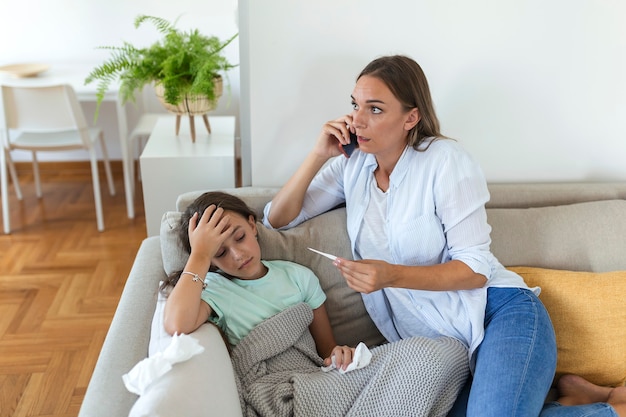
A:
379,118
240,254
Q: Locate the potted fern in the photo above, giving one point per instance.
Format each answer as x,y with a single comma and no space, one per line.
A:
184,67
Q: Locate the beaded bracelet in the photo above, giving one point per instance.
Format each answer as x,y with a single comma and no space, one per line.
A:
196,278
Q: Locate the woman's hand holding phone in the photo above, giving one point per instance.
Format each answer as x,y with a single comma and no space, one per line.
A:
334,135
349,148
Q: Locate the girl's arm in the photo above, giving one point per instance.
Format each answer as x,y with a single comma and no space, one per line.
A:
185,310
287,203
325,340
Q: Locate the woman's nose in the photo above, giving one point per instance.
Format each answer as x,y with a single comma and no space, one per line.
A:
358,121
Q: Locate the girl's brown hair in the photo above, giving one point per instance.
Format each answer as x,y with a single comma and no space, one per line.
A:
220,199
406,80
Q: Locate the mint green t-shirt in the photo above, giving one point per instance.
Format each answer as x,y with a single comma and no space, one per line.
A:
239,305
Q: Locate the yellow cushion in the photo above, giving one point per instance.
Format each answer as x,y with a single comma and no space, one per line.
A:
588,311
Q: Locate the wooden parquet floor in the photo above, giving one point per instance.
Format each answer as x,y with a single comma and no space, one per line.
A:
60,282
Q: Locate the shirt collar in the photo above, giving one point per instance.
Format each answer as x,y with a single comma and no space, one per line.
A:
401,168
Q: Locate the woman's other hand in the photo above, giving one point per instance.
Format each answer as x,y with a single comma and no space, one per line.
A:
365,275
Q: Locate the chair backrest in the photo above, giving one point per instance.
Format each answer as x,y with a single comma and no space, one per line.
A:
41,109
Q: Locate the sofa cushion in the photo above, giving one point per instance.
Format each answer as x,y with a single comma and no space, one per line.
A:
174,257
589,317
581,237
327,232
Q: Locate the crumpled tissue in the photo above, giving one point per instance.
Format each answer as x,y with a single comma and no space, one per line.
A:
182,348
362,358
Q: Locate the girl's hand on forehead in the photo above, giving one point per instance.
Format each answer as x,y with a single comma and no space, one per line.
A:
207,232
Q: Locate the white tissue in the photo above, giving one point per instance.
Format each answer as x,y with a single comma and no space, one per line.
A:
182,348
362,358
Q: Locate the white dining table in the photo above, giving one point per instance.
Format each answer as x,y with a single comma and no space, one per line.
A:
74,75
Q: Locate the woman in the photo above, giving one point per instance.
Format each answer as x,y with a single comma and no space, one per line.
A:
416,218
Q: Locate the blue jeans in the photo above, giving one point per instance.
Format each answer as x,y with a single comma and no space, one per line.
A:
590,410
515,363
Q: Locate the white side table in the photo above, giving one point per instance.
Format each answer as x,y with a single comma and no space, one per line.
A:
172,165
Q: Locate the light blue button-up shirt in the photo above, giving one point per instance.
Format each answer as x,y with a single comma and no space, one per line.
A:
435,213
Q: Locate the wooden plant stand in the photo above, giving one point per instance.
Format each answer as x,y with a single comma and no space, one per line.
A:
192,125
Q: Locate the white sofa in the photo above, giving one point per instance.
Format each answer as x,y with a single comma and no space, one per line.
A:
559,227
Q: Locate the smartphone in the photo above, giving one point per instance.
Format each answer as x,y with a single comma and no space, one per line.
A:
349,148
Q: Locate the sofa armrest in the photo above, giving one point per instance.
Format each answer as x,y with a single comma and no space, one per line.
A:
203,385
128,337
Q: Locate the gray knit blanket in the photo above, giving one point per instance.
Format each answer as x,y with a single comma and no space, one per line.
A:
278,374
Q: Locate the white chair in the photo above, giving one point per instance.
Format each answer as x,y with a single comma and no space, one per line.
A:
142,130
140,134
48,118
13,173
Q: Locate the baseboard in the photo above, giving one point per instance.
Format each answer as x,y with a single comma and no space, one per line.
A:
25,167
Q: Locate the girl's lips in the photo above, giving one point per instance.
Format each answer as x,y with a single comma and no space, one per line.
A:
248,269
245,264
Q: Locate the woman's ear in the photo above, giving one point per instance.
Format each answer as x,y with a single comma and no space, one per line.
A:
413,117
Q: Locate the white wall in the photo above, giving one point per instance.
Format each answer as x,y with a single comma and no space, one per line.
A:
69,31
535,89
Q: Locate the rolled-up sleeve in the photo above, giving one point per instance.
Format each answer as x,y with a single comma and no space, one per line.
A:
460,197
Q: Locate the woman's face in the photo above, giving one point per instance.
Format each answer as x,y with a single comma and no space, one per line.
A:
240,254
381,122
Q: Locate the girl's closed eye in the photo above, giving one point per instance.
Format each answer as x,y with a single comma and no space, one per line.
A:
238,237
